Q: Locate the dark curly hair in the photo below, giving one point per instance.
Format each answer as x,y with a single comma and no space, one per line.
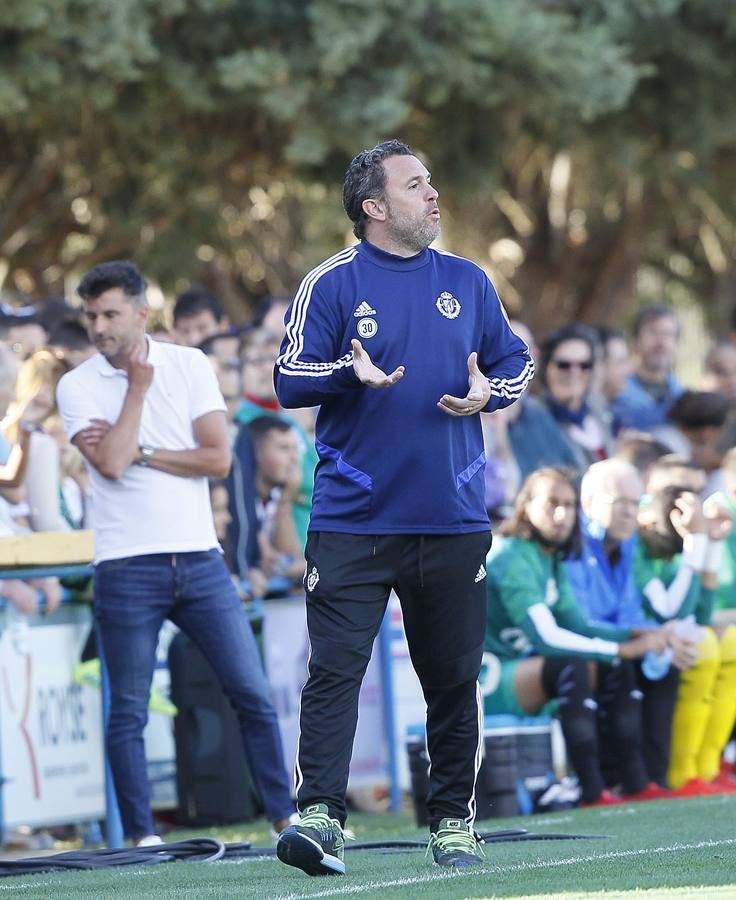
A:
365,179
115,274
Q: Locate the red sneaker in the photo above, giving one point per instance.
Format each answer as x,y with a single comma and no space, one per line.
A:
605,798
695,787
651,792
724,783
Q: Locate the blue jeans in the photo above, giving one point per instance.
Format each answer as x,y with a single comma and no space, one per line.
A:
133,597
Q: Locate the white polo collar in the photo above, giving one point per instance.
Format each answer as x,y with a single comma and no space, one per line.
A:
155,357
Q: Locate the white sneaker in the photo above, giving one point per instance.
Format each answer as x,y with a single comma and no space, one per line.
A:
150,840
293,820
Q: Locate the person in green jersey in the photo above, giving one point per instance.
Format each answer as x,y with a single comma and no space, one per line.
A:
539,646
677,568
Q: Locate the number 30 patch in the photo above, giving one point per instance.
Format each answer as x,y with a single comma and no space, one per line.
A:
367,328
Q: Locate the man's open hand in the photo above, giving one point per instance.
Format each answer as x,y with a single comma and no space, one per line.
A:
479,393
370,374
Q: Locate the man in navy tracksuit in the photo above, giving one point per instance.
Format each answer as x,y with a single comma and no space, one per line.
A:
398,498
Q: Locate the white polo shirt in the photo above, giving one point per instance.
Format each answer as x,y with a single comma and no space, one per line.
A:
147,511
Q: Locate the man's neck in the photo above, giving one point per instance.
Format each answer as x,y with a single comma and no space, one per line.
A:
389,245
612,548
654,377
264,489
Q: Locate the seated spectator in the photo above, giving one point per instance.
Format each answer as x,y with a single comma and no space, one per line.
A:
725,599
198,315
539,645
641,451
52,312
604,584
37,380
695,423
75,489
20,422
9,365
568,359
220,503
502,475
17,421
159,331
527,335
677,574
259,398
70,342
278,473
651,388
675,469
720,370
227,369
720,377
271,314
258,357
26,596
24,332
561,428
611,372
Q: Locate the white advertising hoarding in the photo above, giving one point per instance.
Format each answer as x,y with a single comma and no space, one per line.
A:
50,726
286,650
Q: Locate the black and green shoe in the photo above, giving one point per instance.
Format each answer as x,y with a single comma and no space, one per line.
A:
316,845
455,846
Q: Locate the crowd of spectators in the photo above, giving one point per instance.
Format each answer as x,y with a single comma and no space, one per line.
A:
612,491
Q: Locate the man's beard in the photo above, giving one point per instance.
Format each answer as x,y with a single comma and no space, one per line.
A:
557,547
412,234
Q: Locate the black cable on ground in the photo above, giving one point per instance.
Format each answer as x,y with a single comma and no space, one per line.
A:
199,849
210,850
488,837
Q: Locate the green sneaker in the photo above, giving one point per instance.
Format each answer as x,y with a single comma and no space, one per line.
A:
454,845
316,845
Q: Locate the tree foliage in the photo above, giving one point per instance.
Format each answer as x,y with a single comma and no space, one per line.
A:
584,149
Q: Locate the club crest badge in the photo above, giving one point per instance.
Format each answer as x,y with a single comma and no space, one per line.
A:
448,305
312,579
367,328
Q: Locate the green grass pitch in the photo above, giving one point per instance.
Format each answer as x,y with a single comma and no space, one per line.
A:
668,849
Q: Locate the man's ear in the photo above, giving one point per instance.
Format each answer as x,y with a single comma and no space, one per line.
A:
374,209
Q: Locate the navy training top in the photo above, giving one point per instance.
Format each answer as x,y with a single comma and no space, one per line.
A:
391,461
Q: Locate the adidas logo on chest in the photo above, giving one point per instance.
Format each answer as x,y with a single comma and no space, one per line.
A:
364,309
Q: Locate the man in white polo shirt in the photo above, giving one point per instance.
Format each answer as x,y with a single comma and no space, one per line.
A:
150,421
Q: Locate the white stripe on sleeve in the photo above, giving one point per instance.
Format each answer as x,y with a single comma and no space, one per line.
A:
666,602
289,362
563,639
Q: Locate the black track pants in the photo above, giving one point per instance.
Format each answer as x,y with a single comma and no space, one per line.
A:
440,581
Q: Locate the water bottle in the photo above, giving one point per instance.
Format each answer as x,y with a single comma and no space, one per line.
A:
655,666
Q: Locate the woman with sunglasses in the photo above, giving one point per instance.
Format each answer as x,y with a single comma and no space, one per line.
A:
563,427
569,359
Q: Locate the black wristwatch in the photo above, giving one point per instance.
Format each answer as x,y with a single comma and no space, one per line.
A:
146,452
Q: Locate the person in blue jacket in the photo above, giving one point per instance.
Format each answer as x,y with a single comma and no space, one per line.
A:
604,583
401,346
652,387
